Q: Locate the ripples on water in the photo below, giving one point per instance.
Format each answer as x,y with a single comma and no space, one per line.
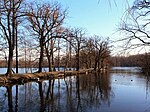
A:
111,92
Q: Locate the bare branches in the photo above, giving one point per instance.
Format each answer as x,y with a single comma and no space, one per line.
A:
136,26
137,34
44,26
9,20
44,20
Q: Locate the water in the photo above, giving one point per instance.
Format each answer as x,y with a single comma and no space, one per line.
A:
111,92
27,70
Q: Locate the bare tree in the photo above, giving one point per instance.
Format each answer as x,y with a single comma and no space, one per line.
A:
78,44
101,52
67,48
10,12
43,20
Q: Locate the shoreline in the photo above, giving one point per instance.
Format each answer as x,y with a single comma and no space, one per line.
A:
18,79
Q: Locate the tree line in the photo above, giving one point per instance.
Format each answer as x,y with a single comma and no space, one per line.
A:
138,60
33,35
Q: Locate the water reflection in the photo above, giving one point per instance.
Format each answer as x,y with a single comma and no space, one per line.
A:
71,94
83,93
9,91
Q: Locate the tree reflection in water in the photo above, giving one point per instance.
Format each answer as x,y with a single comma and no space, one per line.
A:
16,100
10,104
70,94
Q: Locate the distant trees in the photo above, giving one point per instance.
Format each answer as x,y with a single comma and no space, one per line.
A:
138,60
127,61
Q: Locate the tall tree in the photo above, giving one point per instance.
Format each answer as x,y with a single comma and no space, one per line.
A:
78,44
43,20
101,51
10,12
87,54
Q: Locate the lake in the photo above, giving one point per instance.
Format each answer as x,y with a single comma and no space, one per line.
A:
125,91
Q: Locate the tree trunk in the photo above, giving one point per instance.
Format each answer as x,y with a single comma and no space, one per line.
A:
70,59
41,54
52,54
53,62
11,41
77,61
41,59
58,55
95,64
10,61
49,64
48,57
16,51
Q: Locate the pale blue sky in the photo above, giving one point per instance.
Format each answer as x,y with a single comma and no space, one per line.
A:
98,17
